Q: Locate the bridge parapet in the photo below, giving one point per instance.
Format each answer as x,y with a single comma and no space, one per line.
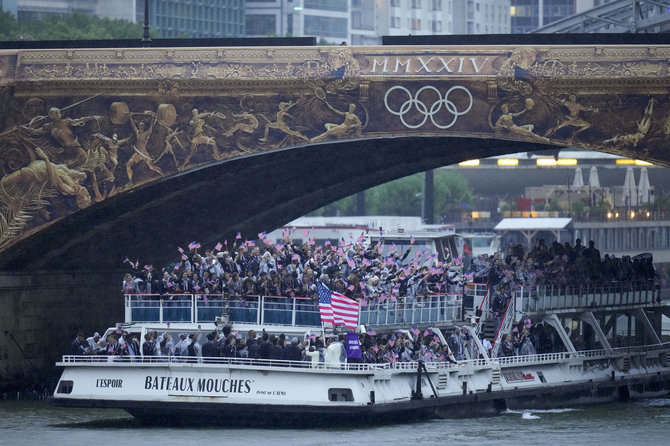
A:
80,126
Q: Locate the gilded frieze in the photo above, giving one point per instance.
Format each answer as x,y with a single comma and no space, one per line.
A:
81,126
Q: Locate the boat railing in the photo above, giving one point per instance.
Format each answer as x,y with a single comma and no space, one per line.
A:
280,310
582,354
188,360
504,326
411,366
566,297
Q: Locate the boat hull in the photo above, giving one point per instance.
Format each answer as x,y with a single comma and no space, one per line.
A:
181,394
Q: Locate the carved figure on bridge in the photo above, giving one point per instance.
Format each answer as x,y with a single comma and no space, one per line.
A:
280,123
505,122
172,135
522,58
351,125
199,137
141,154
631,140
572,119
110,156
247,123
60,130
26,189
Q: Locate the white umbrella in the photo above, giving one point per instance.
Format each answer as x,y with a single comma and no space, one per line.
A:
643,187
579,180
594,181
629,188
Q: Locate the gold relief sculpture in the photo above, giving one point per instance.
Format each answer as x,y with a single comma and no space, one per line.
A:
522,58
142,154
109,157
281,124
351,126
572,119
293,96
199,137
631,140
25,193
505,124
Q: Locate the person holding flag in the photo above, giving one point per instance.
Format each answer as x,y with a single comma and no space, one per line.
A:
337,309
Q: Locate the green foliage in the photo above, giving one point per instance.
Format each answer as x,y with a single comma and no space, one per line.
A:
71,27
403,196
578,208
8,26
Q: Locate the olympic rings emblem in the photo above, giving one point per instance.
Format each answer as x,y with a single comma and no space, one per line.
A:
423,109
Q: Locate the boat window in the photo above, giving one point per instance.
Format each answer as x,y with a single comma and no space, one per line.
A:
65,387
340,395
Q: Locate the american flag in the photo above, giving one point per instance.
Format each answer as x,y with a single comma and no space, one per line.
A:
337,308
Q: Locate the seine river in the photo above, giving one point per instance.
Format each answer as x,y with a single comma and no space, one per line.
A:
638,423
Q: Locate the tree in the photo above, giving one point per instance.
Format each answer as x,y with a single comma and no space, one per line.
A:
8,26
71,27
403,196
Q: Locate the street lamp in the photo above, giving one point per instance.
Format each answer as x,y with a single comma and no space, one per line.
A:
146,39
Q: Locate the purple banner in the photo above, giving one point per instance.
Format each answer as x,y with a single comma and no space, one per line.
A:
353,346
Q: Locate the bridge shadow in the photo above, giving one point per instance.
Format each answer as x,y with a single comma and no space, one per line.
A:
248,194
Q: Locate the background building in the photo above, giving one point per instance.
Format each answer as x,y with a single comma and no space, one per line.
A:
41,9
195,18
528,15
8,6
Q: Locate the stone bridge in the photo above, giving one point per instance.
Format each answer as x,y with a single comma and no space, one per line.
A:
107,153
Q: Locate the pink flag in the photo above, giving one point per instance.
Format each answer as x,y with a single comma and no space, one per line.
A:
351,262
238,236
391,342
181,250
218,247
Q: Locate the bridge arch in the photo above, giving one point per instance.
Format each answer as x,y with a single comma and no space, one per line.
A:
104,150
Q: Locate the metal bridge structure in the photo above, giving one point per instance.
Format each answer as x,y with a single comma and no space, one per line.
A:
114,152
617,16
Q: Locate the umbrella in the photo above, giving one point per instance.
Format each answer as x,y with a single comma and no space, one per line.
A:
629,188
594,181
643,187
578,181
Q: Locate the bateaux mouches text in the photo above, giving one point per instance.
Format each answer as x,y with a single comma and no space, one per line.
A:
199,385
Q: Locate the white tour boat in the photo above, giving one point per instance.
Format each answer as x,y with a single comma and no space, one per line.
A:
610,351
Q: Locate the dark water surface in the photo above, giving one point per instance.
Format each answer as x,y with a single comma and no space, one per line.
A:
645,422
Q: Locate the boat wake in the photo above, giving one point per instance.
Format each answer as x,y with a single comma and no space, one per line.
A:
656,402
532,415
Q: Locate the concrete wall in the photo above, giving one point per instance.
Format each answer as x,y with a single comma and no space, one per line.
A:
40,314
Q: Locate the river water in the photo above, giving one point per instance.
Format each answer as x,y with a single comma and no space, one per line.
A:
645,422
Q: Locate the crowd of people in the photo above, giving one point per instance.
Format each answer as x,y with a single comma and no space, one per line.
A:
288,269
364,274
562,264
410,345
